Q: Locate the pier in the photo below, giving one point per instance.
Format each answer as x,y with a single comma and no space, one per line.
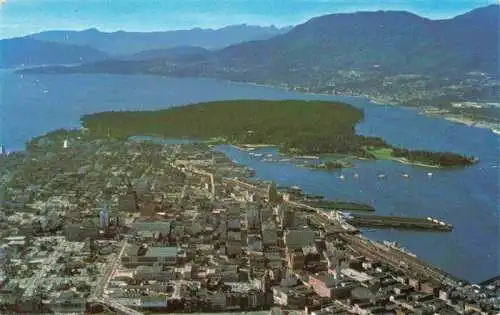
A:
345,228
393,222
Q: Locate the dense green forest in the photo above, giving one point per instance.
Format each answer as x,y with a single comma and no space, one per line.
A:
301,127
433,158
296,127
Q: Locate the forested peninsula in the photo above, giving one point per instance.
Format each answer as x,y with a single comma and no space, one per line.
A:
295,127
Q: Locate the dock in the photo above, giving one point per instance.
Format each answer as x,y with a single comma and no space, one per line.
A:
401,223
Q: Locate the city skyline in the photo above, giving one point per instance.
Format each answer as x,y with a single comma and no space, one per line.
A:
23,17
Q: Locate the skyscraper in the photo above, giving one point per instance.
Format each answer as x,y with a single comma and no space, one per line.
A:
2,150
104,218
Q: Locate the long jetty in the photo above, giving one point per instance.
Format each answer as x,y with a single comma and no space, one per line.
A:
378,221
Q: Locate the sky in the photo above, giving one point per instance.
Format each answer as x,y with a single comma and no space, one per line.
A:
22,17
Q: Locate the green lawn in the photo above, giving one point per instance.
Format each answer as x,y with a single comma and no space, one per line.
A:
382,153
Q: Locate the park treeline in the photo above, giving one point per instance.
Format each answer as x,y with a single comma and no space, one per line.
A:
444,159
296,127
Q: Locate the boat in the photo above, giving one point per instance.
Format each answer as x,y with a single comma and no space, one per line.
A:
342,177
381,176
355,176
496,131
406,176
429,174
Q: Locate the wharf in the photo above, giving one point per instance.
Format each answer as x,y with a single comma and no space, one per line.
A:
394,222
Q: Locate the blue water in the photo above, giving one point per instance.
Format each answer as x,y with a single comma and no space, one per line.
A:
467,198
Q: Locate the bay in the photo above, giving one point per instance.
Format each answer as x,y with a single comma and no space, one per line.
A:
468,198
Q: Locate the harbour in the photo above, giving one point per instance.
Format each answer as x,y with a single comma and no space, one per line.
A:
465,198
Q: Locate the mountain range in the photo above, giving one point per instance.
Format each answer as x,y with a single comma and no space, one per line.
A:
386,42
126,43
68,47
394,57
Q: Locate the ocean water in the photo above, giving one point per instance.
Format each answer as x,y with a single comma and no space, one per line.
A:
468,198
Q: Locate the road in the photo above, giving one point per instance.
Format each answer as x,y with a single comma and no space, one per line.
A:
98,297
106,277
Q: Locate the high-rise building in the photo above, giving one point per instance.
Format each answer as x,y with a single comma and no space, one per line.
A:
104,218
272,194
3,257
2,150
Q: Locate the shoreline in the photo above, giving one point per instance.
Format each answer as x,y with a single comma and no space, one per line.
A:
464,120
251,147
435,113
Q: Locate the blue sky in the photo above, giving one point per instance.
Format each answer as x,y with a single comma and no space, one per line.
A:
21,17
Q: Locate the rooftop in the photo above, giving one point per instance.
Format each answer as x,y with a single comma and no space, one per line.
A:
162,252
161,226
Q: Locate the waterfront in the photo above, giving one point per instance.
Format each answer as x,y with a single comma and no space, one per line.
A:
466,198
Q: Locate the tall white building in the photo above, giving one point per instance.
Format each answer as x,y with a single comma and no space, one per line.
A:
2,150
104,218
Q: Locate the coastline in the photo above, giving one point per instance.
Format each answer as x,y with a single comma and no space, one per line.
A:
251,147
433,113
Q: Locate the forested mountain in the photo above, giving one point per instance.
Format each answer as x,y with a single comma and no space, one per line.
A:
383,42
393,57
175,53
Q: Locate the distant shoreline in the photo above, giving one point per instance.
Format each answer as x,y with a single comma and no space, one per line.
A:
435,113
438,113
